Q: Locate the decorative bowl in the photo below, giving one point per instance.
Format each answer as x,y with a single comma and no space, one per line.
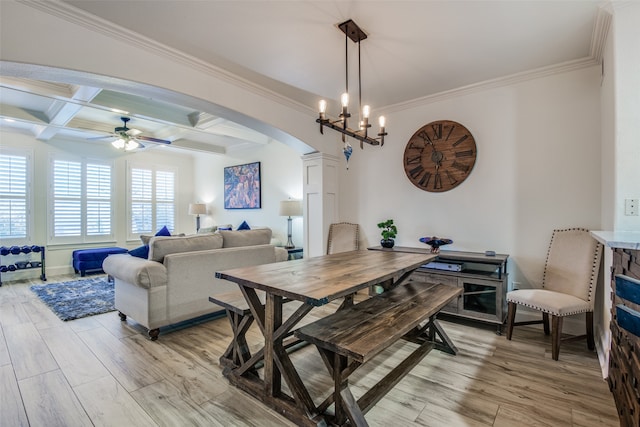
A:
435,243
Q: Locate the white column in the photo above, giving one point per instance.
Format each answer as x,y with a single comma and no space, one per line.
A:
320,188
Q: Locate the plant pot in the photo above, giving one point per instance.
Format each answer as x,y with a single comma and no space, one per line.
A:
387,243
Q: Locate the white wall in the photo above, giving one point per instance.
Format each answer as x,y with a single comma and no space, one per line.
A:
538,168
281,173
626,58
58,257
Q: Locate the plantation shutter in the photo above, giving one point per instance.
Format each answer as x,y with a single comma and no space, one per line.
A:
67,193
13,196
98,199
141,201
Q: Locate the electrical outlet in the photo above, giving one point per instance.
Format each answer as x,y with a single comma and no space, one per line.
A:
631,207
515,285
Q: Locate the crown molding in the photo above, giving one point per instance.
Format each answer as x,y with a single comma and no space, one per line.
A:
494,83
600,32
84,19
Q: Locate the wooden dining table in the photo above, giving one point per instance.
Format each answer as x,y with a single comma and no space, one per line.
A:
314,282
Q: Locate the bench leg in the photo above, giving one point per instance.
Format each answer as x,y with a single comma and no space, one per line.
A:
123,317
237,353
153,334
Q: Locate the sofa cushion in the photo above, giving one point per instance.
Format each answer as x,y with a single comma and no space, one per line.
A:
213,228
164,231
159,247
234,239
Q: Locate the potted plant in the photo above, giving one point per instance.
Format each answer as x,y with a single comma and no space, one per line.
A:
388,232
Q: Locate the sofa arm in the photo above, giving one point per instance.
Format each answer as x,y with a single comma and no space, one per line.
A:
281,254
136,271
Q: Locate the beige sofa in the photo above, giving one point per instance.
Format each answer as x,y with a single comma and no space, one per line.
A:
175,282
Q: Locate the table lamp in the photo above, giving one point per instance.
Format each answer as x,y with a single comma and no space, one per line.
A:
197,209
290,208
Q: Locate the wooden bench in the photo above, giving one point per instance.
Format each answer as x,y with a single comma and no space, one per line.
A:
353,336
241,319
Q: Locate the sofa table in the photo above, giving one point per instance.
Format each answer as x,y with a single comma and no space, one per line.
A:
482,278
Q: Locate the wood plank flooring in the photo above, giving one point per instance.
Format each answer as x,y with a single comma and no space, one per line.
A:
100,371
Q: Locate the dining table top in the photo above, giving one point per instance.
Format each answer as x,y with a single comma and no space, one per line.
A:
319,280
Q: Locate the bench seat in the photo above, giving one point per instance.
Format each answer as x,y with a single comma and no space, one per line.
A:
354,335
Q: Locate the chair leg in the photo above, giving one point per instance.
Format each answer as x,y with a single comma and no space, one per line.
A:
556,332
591,344
511,317
545,323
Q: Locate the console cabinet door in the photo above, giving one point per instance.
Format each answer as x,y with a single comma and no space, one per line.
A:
481,299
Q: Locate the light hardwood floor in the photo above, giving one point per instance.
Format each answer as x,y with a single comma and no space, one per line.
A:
100,371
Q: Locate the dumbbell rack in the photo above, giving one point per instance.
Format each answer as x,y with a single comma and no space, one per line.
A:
15,250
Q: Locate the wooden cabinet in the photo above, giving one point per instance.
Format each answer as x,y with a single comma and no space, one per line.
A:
483,280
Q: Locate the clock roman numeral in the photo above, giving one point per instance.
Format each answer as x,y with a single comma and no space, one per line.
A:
460,141
450,131
437,182
415,159
424,136
424,181
416,146
437,131
465,153
452,180
461,167
415,172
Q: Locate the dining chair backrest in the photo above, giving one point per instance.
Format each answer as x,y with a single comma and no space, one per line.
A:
343,237
572,265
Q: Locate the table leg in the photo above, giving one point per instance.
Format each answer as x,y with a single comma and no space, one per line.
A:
272,321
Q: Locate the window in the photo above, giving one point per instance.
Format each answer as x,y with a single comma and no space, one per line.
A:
15,198
151,199
81,208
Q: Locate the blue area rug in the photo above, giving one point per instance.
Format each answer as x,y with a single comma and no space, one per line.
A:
80,298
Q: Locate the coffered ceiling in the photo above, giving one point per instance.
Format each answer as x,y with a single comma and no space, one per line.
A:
414,50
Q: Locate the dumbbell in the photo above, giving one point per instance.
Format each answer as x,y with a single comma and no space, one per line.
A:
25,249
14,250
35,248
4,251
3,269
11,267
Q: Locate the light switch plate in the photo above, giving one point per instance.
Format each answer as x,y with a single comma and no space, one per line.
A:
631,207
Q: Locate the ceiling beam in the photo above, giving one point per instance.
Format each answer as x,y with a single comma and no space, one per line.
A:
61,112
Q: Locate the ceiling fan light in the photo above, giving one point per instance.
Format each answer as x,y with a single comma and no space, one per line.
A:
118,143
131,145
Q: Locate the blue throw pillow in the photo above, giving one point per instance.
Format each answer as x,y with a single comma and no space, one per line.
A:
224,228
141,252
244,226
164,231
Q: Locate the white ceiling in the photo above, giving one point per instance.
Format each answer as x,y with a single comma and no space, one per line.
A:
414,49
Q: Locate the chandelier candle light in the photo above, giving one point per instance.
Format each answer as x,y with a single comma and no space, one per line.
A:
353,32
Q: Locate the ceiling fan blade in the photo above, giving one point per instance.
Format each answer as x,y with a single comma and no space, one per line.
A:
150,139
101,137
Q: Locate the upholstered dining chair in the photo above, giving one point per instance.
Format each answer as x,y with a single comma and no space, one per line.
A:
568,286
343,237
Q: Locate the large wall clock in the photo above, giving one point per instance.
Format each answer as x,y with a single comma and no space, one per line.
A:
440,156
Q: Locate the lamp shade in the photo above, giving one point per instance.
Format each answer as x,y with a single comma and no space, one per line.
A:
291,208
197,209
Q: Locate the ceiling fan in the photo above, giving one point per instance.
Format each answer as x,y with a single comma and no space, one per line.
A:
130,139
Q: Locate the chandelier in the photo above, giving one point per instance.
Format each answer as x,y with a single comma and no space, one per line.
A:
353,32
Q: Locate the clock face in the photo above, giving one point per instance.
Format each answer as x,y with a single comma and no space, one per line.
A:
440,156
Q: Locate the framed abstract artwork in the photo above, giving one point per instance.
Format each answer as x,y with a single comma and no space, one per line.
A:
242,186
